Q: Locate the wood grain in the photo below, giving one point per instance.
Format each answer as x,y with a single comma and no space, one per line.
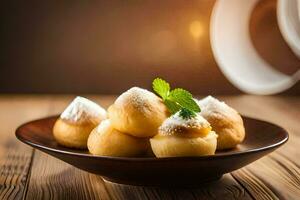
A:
54,179
230,190
15,157
276,176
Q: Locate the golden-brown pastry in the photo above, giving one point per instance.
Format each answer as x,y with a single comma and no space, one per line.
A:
77,121
225,121
184,137
138,112
104,140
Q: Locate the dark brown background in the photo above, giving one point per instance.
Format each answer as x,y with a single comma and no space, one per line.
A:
109,46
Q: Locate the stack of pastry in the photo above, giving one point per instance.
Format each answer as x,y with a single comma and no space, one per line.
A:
138,122
132,119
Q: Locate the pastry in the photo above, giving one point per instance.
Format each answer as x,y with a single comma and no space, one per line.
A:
138,112
105,140
74,125
184,137
225,121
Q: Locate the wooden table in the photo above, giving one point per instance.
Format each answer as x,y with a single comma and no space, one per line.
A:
30,174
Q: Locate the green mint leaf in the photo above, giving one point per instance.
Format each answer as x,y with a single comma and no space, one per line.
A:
186,113
184,99
161,87
172,106
177,99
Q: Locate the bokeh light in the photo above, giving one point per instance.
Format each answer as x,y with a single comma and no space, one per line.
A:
196,29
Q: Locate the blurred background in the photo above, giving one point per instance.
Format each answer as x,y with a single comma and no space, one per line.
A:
105,47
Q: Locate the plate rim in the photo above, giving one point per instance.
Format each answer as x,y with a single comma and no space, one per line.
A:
150,159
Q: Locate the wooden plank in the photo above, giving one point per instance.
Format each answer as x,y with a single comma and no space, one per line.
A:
273,177
276,175
15,157
226,188
54,179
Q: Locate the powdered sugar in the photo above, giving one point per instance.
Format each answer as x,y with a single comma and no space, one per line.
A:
137,97
82,109
175,123
210,105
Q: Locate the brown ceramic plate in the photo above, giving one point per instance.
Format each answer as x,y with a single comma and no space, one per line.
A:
262,138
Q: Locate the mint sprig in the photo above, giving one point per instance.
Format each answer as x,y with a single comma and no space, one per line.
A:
184,99
161,87
186,113
177,99
172,106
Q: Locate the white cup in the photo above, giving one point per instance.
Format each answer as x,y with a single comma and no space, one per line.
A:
289,23
236,55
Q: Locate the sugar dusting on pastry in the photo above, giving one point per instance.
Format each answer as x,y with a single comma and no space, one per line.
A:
138,97
210,105
137,112
173,124
225,120
82,110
